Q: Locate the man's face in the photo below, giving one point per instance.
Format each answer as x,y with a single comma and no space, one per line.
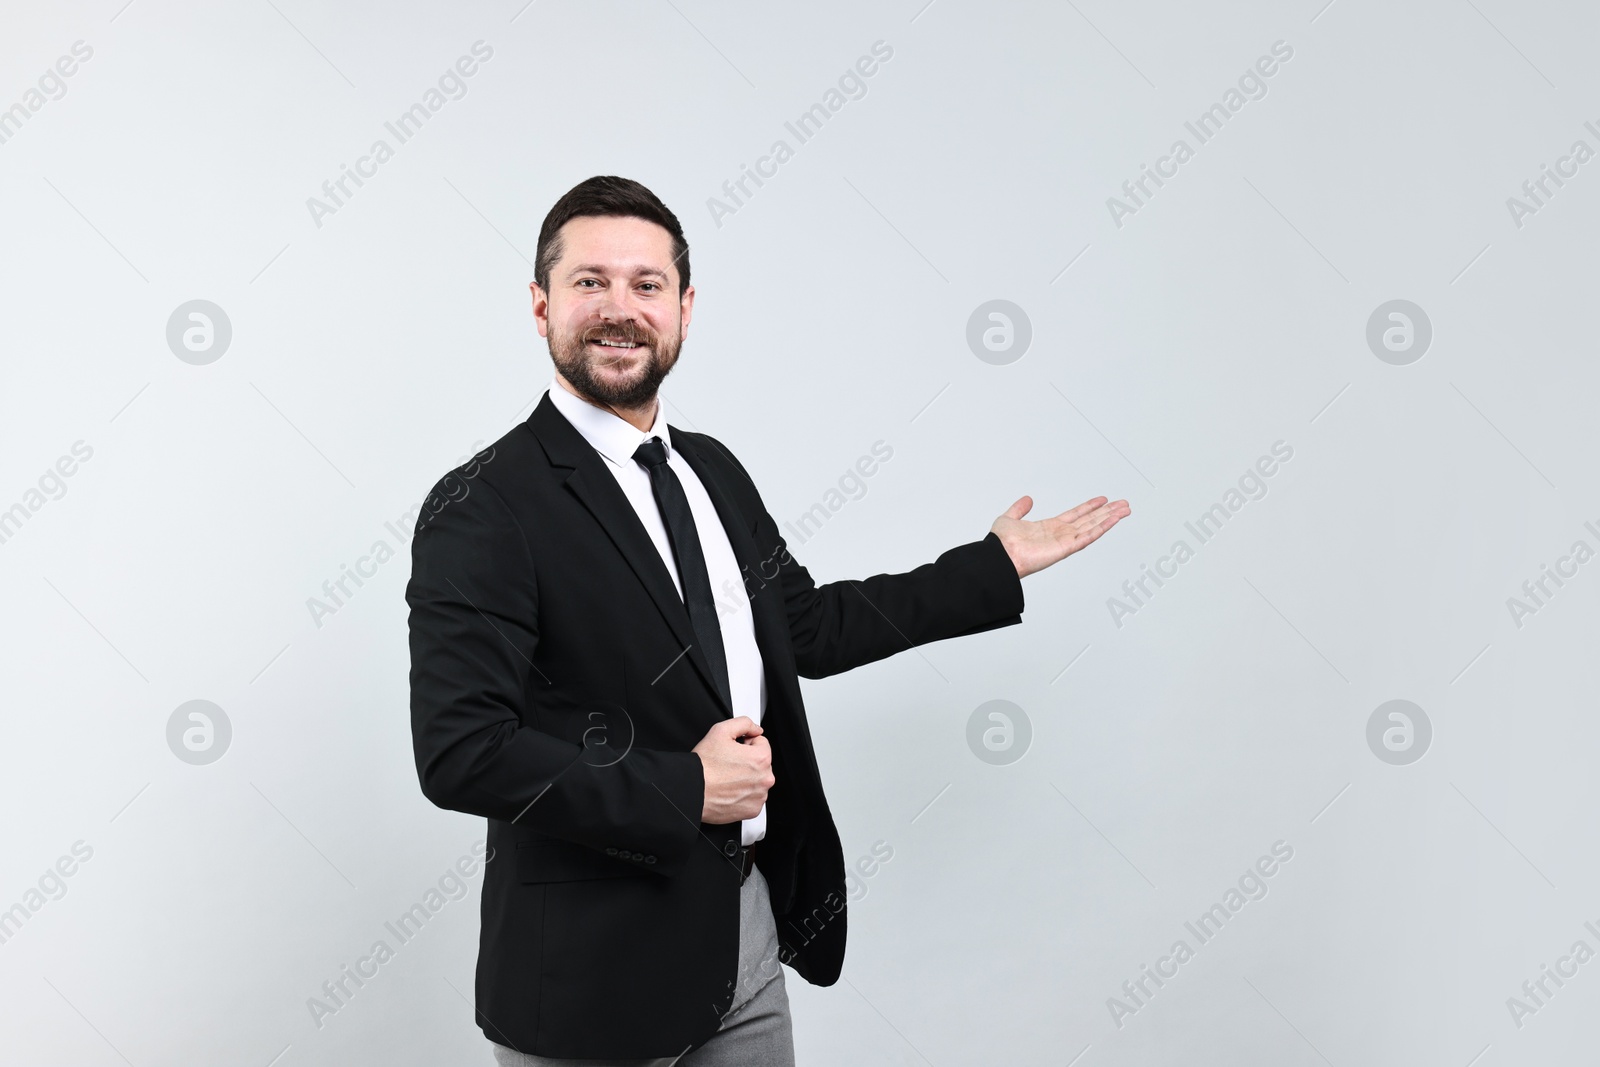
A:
613,317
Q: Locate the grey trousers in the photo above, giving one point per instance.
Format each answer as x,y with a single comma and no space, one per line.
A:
756,1030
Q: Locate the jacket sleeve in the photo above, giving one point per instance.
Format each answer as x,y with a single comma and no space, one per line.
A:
474,609
842,625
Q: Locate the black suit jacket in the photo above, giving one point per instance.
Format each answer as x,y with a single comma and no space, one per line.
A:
551,694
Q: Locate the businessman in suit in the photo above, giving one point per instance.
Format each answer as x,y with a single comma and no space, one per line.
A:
660,838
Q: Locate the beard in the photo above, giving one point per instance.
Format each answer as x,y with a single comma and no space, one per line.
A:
589,368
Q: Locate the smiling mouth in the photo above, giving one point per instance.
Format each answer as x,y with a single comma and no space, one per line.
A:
604,343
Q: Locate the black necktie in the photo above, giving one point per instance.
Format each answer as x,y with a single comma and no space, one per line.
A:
691,559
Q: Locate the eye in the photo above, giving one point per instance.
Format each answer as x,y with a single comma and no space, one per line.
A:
650,285
586,281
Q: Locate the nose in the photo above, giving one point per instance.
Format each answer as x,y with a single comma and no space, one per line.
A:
612,310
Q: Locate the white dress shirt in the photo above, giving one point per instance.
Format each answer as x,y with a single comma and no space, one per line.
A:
616,439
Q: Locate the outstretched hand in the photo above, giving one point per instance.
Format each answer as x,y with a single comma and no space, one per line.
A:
1035,544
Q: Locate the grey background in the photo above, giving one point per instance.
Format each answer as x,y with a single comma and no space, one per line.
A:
374,352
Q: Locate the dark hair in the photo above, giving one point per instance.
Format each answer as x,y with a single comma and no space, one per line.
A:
607,195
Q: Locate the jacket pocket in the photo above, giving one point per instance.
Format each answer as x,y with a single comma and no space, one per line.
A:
554,860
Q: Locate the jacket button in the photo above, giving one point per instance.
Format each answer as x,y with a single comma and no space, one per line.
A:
649,859
611,852
731,849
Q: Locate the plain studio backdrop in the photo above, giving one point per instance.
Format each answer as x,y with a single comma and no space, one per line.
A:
1340,346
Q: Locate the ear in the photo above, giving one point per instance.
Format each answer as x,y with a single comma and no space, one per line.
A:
541,308
686,308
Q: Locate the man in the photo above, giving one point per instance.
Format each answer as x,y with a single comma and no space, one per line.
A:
660,839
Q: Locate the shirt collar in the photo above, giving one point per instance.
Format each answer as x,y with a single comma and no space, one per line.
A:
614,438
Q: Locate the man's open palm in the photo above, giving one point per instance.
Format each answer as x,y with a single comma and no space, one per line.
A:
1035,544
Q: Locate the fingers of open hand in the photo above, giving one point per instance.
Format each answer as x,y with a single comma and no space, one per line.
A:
1073,514
1089,530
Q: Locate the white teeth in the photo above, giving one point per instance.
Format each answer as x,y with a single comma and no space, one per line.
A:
616,344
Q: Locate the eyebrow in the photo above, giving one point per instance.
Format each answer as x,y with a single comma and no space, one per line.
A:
597,268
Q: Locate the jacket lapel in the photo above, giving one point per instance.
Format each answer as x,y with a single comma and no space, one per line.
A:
770,623
786,729
596,488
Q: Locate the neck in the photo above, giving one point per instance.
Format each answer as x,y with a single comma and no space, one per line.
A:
640,418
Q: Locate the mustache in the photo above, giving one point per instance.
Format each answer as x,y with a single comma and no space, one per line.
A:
626,332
